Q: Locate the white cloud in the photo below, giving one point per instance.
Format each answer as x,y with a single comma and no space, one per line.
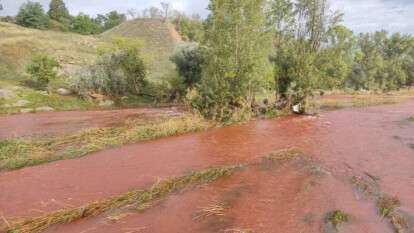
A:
372,15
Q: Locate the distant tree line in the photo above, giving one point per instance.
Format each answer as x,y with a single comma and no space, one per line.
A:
32,15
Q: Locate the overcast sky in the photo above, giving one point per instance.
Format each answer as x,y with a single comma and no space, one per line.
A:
360,15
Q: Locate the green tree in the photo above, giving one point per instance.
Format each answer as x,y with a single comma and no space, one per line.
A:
336,59
188,60
236,55
31,14
58,11
42,70
84,24
113,19
300,28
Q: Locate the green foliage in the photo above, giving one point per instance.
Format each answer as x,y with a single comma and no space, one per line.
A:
119,70
110,20
336,60
299,29
190,28
382,62
58,26
189,60
84,24
42,70
32,15
236,55
58,11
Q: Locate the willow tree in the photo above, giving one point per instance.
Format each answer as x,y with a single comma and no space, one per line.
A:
236,49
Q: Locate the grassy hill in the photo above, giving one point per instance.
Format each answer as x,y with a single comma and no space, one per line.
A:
19,44
160,40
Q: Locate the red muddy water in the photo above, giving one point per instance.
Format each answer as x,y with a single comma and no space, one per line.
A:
58,123
293,198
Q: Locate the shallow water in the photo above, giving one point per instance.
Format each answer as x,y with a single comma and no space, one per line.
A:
291,199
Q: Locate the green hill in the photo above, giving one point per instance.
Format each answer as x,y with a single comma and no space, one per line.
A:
19,44
160,40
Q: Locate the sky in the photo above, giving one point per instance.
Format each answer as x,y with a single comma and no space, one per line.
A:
360,15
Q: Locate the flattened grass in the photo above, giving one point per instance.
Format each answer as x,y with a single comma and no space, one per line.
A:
386,205
16,154
142,199
137,198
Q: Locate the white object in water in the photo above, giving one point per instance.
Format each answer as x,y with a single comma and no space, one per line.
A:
296,108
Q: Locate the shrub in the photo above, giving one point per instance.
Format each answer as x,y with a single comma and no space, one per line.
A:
31,14
42,70
171,89
188,60
119,70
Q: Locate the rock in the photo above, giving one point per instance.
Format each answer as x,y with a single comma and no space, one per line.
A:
6,106
26,110
64,92
7,94
45,109
106,103
21,103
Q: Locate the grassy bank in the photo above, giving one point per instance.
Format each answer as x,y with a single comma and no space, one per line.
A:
141,199
339,101
16,154
37,99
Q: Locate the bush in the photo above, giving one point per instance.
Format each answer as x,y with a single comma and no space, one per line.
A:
171,89
42,70
31,14
188,60
119,70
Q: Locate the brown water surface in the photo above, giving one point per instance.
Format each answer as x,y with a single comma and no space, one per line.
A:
290,199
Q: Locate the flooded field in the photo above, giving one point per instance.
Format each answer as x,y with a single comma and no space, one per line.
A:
60,123
351,158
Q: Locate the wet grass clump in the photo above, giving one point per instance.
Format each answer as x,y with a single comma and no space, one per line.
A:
22,153
280,157
386,205
338,218
137,199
